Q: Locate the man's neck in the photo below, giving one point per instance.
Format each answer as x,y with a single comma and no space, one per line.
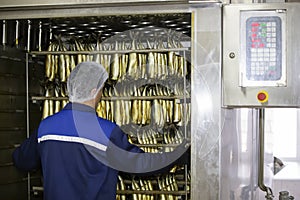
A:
90,103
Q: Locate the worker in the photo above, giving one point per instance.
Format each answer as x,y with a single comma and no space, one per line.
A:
80,154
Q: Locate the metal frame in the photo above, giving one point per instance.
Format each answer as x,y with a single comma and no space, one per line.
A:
79,3
206,73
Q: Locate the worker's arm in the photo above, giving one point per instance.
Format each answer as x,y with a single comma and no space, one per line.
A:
120,139
26,156
129,158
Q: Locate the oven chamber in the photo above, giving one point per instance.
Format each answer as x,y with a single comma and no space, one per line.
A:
218,169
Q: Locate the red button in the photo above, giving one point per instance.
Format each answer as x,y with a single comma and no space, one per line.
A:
261,96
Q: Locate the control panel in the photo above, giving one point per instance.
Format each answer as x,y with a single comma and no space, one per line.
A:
263,48
260,55
262,44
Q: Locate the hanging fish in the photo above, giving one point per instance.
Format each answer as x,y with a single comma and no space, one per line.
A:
177,106
51,103
156,113
67,59
118,109
144,106
181,66
53,64
132,61
48,107
56,63
118,197
150,186
115,65
122,187
135,186
122,62
140,110
72,58
62,67
64,103
99,110
79,47
148,106
161,188
48,62
150,67
106,58
169,106
45,112
168,187
89,47
97,56
155,71
111,105
135,107
57,102
141,64
127,106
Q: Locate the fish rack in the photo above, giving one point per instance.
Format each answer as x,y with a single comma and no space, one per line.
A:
163,92
149,140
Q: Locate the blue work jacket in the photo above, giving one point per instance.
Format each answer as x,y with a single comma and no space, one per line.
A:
62,146
81,154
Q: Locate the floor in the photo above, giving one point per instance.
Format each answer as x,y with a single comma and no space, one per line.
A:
288,179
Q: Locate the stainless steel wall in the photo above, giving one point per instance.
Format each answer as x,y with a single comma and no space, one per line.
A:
206,103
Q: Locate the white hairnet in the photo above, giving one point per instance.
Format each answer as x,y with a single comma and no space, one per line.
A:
85,77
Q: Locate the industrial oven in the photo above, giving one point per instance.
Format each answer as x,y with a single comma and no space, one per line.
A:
177,69
156,54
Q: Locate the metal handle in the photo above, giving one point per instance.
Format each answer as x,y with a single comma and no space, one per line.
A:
261,185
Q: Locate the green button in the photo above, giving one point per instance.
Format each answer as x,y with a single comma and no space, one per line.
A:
271,67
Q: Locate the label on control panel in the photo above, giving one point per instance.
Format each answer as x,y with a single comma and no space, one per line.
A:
262,49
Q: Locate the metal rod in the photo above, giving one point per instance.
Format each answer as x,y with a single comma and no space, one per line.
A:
6,164
11,58
17,33
184,95
4,39
177,193
37,98
261,132
108,51
19,180
40,36
27,115
157,145
13,146
184,119
151,192
28,35
50,33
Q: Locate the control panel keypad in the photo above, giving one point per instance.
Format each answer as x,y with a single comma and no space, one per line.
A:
263,48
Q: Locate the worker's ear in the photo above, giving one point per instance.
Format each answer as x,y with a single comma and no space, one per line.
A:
93,92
